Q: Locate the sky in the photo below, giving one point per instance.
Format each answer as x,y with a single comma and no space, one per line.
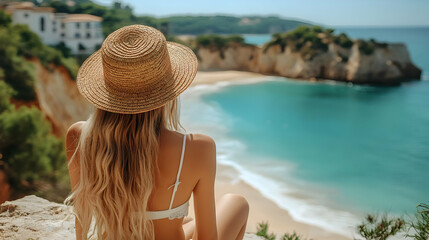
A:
324,12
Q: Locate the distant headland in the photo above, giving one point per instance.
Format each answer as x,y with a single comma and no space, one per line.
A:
311,53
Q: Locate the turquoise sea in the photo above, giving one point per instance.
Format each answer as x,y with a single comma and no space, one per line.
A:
327,152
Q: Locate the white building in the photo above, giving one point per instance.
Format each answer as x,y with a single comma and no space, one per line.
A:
79,32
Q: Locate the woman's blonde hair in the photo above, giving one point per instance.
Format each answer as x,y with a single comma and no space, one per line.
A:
117,154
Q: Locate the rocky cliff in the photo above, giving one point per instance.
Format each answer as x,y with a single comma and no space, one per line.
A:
386,64
58,97
34,218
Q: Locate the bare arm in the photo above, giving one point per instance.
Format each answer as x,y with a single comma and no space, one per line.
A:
72,140
204,198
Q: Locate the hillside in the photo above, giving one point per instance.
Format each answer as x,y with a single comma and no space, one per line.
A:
36,91
119,14
229,25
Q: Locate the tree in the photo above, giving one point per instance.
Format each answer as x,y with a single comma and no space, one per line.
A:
27,145
60,6
91,8
5,19
5,94
117,5
62,47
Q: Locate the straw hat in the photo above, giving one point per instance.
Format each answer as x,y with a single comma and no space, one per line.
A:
136,70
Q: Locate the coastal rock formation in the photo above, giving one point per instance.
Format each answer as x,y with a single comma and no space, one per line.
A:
59,98
387,64
35,218
32,217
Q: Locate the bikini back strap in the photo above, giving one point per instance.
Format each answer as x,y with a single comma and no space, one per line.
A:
176,184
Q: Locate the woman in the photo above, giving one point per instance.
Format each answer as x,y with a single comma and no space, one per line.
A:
132,173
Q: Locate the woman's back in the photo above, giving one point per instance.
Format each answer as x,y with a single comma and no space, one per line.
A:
198,171
197,175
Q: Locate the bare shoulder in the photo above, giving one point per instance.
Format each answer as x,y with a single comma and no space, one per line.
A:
203,152
75,129
72,138
202,140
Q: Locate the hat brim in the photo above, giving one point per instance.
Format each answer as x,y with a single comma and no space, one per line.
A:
90,82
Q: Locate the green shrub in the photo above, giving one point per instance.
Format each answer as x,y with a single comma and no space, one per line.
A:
32,153
218,41
5,19
27,145
29,149
343,40
71,65
262,231
235,39
19,74
29,43
330,30
6,92
420,226
309,41
374,228
16,71
66,51
366,48
276,39
293,236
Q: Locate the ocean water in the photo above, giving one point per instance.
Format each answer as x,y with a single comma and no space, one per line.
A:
257,39
327,152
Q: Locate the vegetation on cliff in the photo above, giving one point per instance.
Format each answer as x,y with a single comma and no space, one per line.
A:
34,155
313,40
18,42
27,145
218,41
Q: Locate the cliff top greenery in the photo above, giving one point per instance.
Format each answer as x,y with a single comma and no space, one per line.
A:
311,40
218,41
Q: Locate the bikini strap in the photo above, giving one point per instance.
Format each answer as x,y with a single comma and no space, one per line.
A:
176,184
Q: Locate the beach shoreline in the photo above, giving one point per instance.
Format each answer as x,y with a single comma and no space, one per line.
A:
230,76
262,209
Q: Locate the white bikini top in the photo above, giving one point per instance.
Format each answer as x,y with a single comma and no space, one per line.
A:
177,212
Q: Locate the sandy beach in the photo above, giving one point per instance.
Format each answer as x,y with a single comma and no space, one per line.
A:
261,208
211,77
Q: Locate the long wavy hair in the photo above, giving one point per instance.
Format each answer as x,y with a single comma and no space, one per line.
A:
117,154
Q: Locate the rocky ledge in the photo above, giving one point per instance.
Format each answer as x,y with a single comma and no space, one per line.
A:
353,61
34,218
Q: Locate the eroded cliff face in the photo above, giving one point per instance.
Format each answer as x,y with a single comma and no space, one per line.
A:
58,97
235,57
385,65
